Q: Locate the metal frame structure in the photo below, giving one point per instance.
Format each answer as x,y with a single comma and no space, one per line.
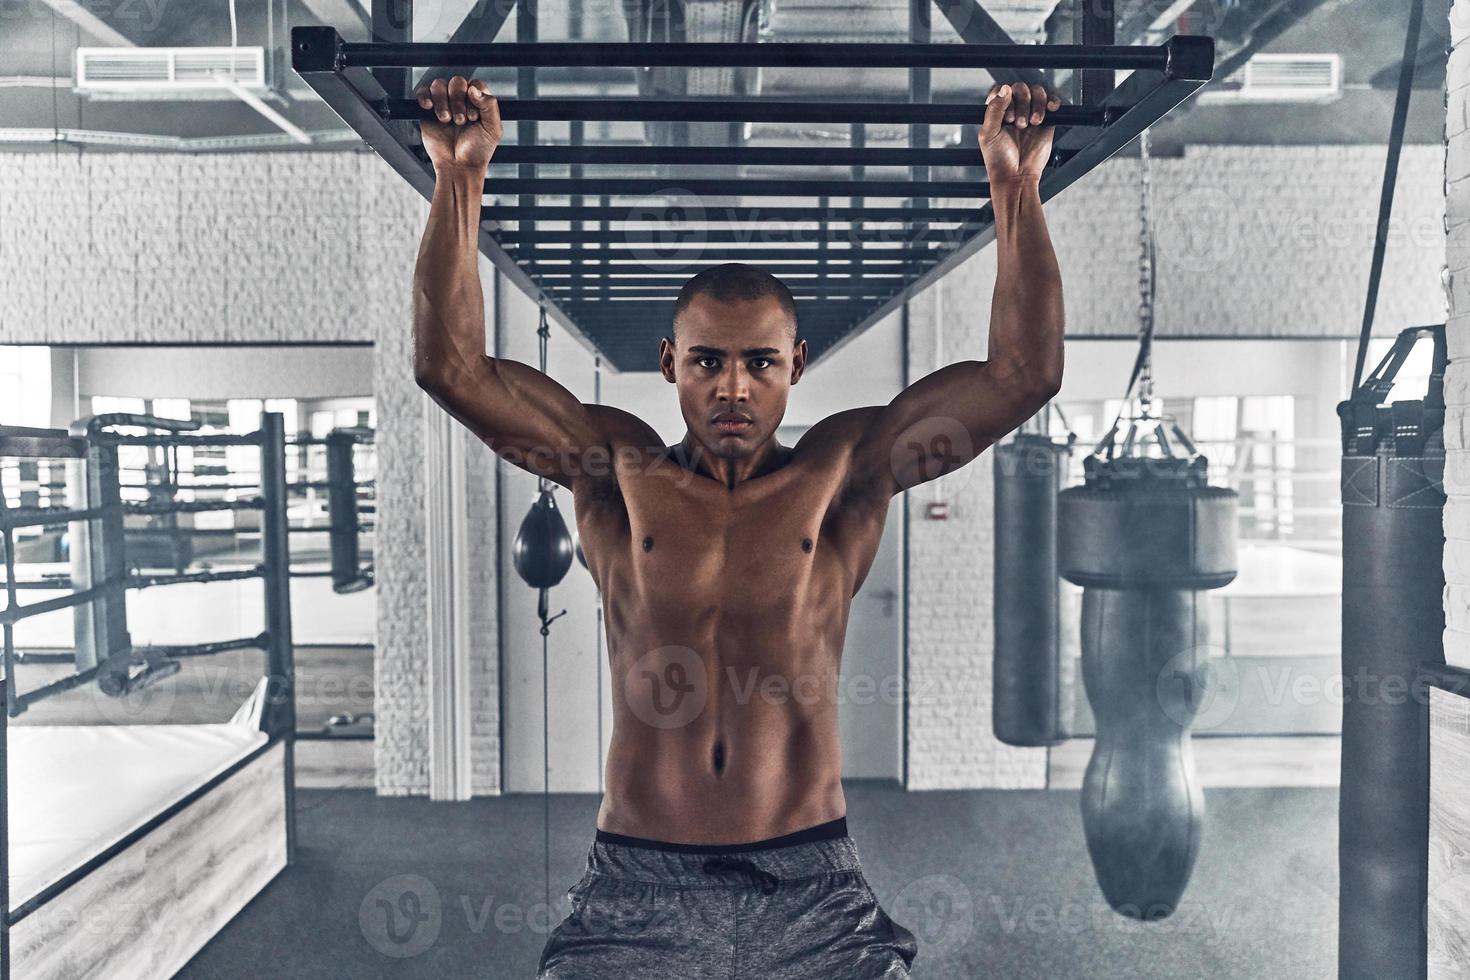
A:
614,286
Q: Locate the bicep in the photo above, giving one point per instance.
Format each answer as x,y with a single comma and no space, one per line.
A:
524,415
944,421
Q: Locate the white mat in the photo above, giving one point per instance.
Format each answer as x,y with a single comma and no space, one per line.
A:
74,790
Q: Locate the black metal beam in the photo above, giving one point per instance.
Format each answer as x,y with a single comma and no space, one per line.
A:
745,156
676,236
774,187
1097,26
591,291
634,251
740,110
392,23
526,34
553,54
480,26
974,25
693,264
793,280
920,92
753,215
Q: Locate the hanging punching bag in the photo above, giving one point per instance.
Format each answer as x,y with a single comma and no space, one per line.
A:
1033,686
1392,620
1145,537
543,546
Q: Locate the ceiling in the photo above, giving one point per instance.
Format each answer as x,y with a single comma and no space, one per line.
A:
36,99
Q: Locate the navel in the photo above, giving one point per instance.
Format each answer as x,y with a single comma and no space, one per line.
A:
648,544
806,544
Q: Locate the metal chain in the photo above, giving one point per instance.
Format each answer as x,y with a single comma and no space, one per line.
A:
543,331
1145,276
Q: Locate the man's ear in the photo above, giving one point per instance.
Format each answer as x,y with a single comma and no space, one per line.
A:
798,361
666,359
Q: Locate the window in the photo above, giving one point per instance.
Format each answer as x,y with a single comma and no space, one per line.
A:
25,386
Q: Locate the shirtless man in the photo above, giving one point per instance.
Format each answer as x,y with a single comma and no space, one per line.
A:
727,564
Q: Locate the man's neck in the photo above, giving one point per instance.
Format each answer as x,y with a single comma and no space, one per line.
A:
731,472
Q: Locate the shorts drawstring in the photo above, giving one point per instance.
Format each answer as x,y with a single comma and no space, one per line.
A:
768,882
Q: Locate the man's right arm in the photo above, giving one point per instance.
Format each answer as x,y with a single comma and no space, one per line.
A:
521,413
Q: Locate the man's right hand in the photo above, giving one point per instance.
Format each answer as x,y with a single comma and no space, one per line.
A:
468,128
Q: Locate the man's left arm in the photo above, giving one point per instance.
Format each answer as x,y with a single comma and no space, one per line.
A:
945,419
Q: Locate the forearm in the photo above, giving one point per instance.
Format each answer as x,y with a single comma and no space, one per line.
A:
1026,313
448,303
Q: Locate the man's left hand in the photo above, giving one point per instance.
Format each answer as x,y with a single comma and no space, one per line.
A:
1015,139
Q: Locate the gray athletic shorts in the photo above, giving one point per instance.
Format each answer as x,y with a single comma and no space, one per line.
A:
649,910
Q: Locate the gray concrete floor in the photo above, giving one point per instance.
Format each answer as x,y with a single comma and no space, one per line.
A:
993,883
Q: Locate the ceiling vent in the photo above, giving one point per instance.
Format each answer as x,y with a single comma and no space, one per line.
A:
169,73
1280,78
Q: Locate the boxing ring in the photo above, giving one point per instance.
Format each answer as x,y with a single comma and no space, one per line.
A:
125,847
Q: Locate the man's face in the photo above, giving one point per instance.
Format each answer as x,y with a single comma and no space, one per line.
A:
734,365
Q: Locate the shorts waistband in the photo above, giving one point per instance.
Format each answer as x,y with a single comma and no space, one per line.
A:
823,849
831,830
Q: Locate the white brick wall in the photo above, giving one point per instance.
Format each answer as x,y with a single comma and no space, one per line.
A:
168,248
1457,378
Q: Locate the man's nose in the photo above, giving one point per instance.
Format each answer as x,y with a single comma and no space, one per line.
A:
734,386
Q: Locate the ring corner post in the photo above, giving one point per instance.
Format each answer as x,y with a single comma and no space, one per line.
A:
280,708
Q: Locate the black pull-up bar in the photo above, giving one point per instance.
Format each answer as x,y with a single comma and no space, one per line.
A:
750,215
777,187
749,110
741,55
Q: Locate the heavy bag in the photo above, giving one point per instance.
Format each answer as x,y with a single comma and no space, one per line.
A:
1392,620
1145,539
1032,682
543,546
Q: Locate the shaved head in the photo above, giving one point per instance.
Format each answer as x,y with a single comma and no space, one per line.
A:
732,282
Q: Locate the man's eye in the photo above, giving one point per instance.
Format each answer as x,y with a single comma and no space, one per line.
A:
712,362
761,363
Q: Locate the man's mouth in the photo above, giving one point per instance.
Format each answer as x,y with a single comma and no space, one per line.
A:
732,424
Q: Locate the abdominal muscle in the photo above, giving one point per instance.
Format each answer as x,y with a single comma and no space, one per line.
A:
760,758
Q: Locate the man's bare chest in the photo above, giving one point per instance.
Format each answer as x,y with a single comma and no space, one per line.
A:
692,540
